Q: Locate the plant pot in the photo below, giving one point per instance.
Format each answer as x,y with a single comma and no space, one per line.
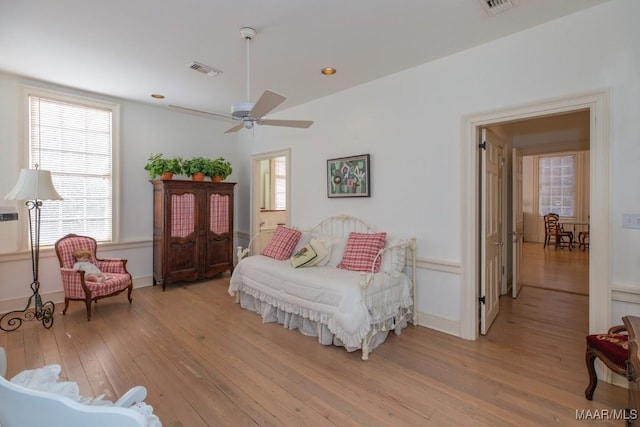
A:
198,176
166,175
216,178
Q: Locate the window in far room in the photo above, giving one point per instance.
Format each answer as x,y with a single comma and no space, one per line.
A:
557,185
73,138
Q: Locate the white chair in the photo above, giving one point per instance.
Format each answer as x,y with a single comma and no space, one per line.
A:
26,407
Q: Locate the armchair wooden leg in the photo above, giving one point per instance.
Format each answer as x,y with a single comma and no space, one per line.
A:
590,359
87,302
129,289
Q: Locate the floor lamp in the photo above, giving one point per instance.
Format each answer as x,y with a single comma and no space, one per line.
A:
34,186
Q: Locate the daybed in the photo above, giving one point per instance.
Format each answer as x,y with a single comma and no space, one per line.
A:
354,287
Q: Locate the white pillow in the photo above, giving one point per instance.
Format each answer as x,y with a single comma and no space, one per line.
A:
393,260
338,245
322,247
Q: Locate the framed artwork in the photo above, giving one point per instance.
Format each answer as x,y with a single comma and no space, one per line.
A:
348,176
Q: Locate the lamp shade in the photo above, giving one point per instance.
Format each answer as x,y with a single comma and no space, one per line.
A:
33,184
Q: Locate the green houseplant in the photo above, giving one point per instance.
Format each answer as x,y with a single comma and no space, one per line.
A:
219,168
157,165
197,167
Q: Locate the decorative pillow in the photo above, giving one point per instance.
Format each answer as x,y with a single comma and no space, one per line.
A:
281,245
322,247
305,237
361,251
304,256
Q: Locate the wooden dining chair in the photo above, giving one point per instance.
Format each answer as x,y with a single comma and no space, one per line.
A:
583,240
554,230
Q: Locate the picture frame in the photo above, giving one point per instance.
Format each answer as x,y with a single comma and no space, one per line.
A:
349,176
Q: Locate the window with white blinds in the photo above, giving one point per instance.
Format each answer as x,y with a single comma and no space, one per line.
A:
74,141
557,185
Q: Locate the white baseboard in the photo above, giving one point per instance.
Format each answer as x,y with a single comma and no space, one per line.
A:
442,324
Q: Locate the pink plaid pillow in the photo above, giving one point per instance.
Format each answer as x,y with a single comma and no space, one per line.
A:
282,244
361,250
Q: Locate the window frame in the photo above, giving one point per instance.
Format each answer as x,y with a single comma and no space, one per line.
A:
89,101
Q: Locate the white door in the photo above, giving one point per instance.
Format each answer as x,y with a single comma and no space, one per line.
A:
517,221
491,264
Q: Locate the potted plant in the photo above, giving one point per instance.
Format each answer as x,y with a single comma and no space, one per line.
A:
219,169
165,168
197,167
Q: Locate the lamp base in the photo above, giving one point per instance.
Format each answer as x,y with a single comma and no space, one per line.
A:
42,312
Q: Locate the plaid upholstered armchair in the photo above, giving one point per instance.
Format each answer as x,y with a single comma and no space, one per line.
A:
76,285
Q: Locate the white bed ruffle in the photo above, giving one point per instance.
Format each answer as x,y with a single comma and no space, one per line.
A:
326,302
313,328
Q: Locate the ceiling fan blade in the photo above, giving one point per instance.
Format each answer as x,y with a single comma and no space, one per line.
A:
287,123
193,110
236,128
267,102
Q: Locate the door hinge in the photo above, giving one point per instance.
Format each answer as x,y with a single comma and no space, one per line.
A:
482,300
483,145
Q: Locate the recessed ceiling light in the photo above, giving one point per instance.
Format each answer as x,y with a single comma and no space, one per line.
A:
157,96
328,71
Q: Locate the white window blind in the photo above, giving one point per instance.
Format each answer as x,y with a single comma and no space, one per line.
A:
74,142
557,186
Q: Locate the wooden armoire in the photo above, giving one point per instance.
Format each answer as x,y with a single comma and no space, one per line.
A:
192,230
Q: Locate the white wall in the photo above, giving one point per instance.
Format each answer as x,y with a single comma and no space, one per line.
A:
411,124
144,129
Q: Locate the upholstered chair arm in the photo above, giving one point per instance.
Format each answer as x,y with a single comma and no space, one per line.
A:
112,265
73,283
617,329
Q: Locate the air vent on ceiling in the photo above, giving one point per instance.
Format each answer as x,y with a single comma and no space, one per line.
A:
204,69
493,7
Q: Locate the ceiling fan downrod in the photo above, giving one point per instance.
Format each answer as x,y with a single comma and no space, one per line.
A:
248,34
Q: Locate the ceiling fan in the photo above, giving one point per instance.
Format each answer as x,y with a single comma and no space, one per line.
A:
248,112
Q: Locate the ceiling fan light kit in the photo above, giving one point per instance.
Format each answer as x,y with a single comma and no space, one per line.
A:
251,113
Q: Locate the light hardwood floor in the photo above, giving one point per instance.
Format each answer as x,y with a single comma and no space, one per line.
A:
556,269
206,362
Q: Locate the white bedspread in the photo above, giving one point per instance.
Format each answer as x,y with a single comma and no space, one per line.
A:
327,295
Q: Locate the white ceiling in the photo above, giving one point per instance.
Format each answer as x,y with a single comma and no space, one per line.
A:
133,48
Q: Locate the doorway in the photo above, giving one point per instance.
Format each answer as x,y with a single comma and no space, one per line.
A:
548,171
271,193
599,272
